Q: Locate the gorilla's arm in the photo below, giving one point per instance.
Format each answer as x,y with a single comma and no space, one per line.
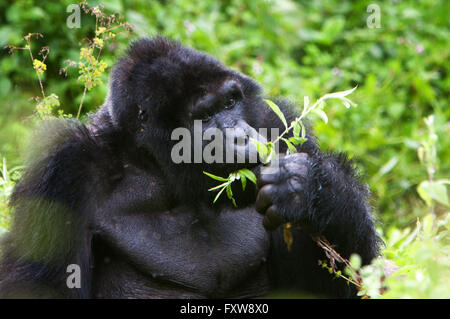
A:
320,194
50,221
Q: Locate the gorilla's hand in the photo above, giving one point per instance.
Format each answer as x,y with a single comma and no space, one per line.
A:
284,191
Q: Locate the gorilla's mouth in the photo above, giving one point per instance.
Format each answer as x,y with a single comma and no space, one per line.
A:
232,146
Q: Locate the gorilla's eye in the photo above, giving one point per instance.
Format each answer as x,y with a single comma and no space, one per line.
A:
230,103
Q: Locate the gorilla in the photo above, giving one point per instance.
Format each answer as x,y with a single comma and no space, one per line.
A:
103,210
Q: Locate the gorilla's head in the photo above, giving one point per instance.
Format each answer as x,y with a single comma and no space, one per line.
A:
160,86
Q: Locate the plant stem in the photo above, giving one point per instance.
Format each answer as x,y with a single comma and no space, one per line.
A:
81,103
305,112
39,77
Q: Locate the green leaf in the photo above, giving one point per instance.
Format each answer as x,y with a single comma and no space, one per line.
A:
386,168
218,195
248,173
291,147
272,154
433,190
277,111
219,186
296,129
346,103
243,181
303,130
340,94
261,148
229,192
355,261
322,115
297,140
217,178
230,195
440,181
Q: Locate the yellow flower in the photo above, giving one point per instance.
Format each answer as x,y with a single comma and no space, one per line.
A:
98,42
86,53
39,66
100,31
102,66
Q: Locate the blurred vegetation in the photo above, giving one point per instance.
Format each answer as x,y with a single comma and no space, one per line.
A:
293,48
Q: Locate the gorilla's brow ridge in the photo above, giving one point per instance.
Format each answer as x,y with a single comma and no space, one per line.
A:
199,108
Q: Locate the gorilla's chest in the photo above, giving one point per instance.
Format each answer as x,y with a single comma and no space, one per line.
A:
178,252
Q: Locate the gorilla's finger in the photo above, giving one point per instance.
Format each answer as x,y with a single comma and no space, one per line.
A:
272,219
264,199
268,175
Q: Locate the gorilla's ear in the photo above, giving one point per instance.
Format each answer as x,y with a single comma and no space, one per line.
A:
50,228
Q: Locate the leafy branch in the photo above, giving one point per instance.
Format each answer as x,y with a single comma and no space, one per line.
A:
351,266
242,175
266,150
267,154
90,66
45,104
431,189
297,127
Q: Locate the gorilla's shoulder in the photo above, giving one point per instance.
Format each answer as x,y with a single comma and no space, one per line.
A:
50,136
61,158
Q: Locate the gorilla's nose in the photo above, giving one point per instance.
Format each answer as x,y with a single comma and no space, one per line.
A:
241,144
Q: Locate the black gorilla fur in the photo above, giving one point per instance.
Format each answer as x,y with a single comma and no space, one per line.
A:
108,197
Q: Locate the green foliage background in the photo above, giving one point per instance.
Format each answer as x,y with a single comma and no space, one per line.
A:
293,48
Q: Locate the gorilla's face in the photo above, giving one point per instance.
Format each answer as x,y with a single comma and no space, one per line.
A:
221,119
171,92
